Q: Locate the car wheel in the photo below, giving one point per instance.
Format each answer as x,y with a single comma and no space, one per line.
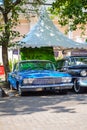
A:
77,88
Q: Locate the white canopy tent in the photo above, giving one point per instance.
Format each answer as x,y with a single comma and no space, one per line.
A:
45,33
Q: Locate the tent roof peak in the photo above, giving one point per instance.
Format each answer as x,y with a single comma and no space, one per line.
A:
45,33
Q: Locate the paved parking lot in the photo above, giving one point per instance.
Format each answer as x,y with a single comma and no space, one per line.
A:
49,111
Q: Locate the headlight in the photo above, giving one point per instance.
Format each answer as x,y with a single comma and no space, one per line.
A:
83,73
28,81
66,79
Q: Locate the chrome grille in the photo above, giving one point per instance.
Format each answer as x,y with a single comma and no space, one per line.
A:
45,81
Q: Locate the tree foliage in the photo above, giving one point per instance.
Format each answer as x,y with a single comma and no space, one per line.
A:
10,11
72,12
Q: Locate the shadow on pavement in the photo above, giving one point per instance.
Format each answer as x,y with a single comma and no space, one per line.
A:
34,102
38,102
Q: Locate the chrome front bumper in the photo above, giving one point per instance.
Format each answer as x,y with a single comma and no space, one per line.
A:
82,82
54,86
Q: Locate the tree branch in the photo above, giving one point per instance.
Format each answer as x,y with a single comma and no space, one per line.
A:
14,4
17,2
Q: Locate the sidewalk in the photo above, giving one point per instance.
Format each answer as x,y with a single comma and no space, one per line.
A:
54,112
5,91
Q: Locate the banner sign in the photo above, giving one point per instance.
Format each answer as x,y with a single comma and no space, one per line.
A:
79,53
15,52
2,72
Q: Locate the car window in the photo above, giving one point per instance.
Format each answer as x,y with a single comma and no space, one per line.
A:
26,66
78,61
49,66
81,60
36,65
72,61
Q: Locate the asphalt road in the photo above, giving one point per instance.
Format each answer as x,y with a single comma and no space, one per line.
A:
44,111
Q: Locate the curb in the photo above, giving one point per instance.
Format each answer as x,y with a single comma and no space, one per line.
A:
10,93
3,93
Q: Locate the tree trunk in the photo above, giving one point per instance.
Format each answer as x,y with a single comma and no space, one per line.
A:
5,60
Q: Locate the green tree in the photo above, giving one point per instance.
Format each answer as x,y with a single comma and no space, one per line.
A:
9,15
72,12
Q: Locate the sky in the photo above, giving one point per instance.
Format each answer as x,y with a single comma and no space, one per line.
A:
1,1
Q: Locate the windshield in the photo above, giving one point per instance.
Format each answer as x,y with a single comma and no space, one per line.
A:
36,65
79,60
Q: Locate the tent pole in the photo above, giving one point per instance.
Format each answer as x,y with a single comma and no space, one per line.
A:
18,54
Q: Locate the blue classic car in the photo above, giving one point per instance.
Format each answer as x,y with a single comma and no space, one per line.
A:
32,75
